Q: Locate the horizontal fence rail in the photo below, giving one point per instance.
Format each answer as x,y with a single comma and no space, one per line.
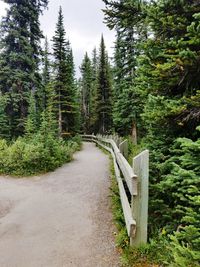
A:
136,180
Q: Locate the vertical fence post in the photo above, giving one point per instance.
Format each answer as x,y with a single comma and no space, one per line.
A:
123,147
139,203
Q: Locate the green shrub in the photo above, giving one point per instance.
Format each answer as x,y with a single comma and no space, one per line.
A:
185,247
174,210
39,154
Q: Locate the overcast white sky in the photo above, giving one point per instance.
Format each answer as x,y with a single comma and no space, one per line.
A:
83,23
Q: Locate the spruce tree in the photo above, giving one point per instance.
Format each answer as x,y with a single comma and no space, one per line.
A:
31,122
71,95
64,80
172,109
128,19
104,121
86,92
124,73
165,93
46,64
46,75
4,119
94,63
19,58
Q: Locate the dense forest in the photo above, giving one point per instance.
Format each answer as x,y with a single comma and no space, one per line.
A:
149,92
156,98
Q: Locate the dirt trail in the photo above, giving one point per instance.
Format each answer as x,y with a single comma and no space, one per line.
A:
59,219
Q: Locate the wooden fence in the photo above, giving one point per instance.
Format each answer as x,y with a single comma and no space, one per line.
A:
136,178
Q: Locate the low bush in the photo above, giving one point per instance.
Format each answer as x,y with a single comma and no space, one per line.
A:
39,154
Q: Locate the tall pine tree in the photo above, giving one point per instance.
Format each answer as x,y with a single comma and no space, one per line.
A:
64,81
46,76
128,19
86,93
104,122
19,58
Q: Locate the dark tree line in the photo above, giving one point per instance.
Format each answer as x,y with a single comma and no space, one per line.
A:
96,92
157,100
27,91
23,85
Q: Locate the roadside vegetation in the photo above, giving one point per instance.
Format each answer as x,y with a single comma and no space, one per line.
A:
157,102
39,110
165,246
25,157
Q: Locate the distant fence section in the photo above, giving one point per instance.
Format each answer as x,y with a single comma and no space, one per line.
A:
133,183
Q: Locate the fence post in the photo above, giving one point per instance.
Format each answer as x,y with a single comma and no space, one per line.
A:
139,203
123,147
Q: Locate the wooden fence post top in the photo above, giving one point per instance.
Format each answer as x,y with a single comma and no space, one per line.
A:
145,152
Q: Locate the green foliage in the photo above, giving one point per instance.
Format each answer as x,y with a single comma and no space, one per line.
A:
31,122
65,90
86,93
46,65
155,253
128,19
36,155
19,58
161,95
96,92
182,247
4,119
104,120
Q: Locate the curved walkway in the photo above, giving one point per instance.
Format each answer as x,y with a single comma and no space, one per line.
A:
61,218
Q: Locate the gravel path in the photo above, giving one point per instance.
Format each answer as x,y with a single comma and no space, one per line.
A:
61,218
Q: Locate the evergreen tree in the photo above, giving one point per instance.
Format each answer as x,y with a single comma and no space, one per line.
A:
128,19
104,121
86,92
49,126
45,75
94,63
72,107
4,120
93,95
172,109
164,96
46,64
124,73
19,58
31,122
64,81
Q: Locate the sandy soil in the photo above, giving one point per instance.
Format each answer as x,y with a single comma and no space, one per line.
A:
61,218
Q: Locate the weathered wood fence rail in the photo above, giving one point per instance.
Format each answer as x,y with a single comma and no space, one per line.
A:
136,178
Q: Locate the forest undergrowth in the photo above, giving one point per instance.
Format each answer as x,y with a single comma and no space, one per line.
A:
166,247
36,155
